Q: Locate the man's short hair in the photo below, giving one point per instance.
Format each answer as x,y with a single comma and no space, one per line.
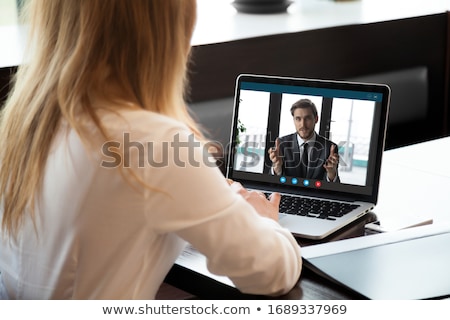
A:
304,104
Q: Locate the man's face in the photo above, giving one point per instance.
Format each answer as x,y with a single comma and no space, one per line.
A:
304,122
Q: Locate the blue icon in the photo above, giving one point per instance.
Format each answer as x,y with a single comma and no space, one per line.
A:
294,181
306,183
283,179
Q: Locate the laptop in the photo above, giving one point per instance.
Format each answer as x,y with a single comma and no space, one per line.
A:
351,116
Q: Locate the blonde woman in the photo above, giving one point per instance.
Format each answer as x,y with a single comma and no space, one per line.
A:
104,176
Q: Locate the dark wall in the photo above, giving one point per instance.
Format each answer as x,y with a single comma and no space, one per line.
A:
5,78
337,53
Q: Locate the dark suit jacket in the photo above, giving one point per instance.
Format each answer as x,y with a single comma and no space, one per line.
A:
290,151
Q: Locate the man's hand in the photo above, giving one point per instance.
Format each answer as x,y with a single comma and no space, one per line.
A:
331,163
275,157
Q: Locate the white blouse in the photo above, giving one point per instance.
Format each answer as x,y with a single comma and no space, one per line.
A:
100,234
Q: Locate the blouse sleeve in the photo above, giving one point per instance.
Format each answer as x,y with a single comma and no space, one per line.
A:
190,197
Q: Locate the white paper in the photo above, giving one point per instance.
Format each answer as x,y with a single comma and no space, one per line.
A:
193,260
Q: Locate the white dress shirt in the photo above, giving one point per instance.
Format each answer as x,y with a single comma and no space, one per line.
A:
310,142
301,142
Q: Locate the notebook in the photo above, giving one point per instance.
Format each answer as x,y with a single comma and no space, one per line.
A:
351,116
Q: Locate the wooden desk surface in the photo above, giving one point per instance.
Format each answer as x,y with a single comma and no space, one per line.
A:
408,187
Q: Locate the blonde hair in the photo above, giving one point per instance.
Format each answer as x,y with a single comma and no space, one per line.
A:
80,49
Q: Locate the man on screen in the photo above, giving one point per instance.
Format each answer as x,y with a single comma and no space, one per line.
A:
305,154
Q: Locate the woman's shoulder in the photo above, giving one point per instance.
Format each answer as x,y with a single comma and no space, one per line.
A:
139,122
138,118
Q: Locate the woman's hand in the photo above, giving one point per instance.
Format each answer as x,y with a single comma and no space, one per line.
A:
265,207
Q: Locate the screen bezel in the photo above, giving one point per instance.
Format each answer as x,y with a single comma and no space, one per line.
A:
368,193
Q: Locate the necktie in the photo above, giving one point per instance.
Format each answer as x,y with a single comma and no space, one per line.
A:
304,164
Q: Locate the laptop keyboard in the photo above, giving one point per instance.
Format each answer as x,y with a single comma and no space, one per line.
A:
315,208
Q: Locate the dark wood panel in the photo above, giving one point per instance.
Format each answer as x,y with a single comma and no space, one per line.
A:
339,53
5,78
447,81
336,53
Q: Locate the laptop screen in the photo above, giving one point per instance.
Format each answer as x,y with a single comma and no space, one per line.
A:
343,124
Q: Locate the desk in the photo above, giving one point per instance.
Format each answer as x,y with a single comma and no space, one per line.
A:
405,181
415,180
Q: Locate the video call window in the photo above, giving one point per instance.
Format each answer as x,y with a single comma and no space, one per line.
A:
346,122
